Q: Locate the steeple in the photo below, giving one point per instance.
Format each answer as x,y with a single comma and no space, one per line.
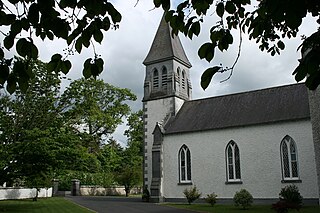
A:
167,67
164,47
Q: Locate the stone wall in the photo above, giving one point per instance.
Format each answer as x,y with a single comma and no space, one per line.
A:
11,193
100,191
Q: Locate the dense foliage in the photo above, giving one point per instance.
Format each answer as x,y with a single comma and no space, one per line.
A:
243,198
291,194
46,135
192,194
81,23
268,22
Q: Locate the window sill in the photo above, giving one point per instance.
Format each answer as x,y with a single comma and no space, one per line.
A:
292,181
185,183
233,182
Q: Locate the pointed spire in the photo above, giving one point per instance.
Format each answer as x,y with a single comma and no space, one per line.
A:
164,47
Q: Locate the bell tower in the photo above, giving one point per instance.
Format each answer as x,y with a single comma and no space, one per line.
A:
167,85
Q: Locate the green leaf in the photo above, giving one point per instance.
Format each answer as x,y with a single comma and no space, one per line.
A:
8,42
230,7
33,14
87,68
206,51
98,36
300,72
11,84
4,73
21,47
51,66
207,76
1,54
157,3
220,9
281,45
8,19
78,45
195,28
106,24
56,57
65,66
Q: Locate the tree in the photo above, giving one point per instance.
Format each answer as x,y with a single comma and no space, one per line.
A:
135,132
130,174
78,22
95,109
29,123
268,23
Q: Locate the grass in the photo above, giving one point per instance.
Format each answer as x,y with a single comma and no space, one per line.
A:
234,209
43,205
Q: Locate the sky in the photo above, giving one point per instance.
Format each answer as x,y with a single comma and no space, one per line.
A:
124,50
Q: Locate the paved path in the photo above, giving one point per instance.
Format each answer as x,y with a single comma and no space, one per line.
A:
103,204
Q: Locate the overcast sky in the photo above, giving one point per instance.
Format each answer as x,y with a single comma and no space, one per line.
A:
124,50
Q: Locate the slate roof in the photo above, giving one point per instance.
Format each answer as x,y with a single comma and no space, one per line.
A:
249,108
164,47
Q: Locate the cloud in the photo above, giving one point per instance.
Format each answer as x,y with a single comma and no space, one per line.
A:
124,50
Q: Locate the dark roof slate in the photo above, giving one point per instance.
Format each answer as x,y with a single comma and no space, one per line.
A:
164,47
255,107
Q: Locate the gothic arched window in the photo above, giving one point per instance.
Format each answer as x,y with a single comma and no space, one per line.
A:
183,80
184,164
164,77
233,162
289,159
155,78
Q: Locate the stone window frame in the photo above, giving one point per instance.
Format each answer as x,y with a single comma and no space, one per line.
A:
185,177
233,163
289,156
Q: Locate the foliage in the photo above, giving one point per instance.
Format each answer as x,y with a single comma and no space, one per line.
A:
269,23
225,208
95,109
211,198
192,194
111,156
90,179
129,177
291,194
78,22
135,131
243,198
145,194
28,127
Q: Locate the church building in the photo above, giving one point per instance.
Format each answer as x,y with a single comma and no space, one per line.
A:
259,140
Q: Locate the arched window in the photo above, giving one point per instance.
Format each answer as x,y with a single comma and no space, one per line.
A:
289,158
155,78
183,80
164,77
184,164
233,162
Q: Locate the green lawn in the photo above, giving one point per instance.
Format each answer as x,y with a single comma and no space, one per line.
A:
233,209
43,205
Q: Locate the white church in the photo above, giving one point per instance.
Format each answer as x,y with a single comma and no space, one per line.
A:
259,140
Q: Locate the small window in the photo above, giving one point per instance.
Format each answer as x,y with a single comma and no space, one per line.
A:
184,165
164,77
155,79
289,158
233,162
183,80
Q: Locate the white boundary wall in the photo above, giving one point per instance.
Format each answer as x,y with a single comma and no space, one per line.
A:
11,193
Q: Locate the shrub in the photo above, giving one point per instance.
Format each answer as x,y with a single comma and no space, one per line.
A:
243,198
191,194
146,195
211,198
291,194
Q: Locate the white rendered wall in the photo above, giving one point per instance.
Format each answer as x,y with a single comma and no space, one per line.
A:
259,158
156,111
23,193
